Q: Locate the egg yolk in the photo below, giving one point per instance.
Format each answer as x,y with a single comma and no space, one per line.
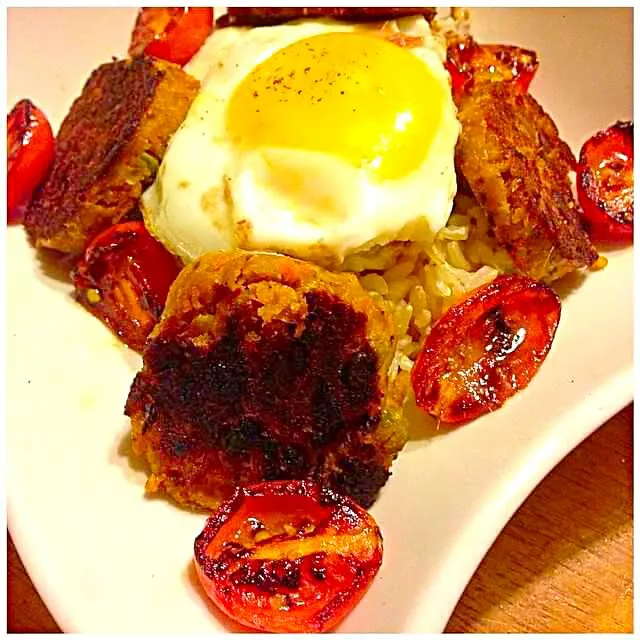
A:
357,97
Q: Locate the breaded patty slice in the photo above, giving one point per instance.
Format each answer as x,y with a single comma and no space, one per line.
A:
510,154
264,367
108,149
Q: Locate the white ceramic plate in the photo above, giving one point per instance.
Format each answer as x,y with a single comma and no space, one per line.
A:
106,559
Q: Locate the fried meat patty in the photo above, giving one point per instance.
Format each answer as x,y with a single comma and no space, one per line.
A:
265,367
108,149
510,154
264,16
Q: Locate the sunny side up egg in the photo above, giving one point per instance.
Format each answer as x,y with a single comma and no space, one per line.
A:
315,139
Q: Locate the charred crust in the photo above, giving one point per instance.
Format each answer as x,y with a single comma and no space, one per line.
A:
242,438
112,104
107,150
242,399
361,480
270,576
511,156
260,399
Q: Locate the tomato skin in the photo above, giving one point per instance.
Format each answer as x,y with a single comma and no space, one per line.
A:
485,348
470,64
604,183
288,556
30,154
171,33
123,279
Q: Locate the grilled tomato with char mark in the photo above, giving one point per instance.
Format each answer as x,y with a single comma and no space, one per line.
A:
30,153
123,280
288,556
171,33
604,184
471,64
485,348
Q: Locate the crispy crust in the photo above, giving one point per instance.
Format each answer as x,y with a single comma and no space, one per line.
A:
265,367
107,150
518,168
264,16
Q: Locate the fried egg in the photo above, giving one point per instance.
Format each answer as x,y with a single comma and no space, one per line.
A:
316,139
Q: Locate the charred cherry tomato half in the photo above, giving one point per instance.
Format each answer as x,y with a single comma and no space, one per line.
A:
123,279
471,64
30,153
604,182
485,348
171,33
288,556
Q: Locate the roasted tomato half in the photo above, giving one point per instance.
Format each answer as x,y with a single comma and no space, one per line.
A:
485,348
288,556
30,153
604,182
471,64
171,33
123,279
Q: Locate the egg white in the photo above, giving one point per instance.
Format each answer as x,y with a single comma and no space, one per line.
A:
209,195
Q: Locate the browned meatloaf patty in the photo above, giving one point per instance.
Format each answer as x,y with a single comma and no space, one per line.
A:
108,149
510,154
262,16
265,367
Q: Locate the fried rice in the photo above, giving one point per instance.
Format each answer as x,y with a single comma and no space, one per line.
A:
418,280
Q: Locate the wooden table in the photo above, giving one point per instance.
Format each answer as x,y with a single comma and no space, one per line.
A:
562,564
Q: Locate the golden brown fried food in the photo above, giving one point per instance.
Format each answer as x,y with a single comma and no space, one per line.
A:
518,168
265,367
108,150
263,16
